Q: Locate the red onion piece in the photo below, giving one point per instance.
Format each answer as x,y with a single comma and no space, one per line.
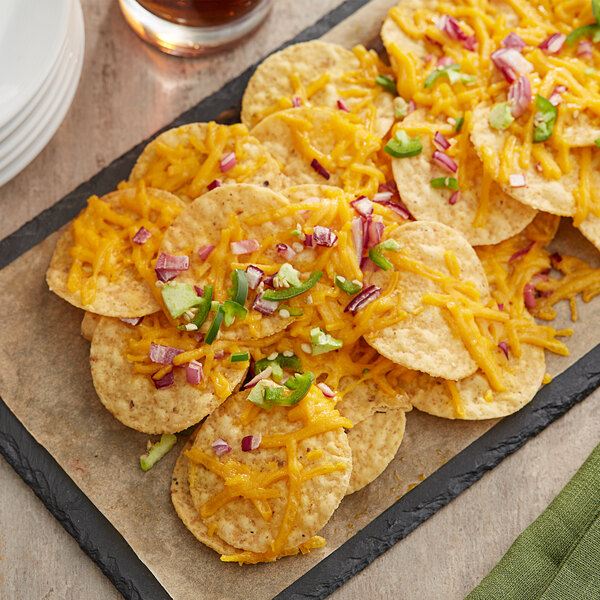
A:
265,307
374,233
220,447
382,196
163,355
215,183
539,277
521,252
165,381
324,236
501,306
432,41
205,251
199,291
454,198
262,375
319,168
555,258
510,63
268,281
309,241
357,237
449,25
168,266
363,206
141,237
251,442
429,57
517,180
199,337
529,295
361,300
444,161
512,40
228,161
440,141
244,247
327,391
556,96
254,276
194,373
366,264
219,354
585,49
444,61
133,321
411,107
343,106
519,96
553,43
504,347
470,43
286,251
296,101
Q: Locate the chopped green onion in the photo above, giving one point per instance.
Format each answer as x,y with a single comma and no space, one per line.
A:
323,342
214,305
544,119
287,293
179,297
596,10
400,108
444,182
347,286
387,83
592,31
295,232
597,142
240,286
213,330
500,117
401,146
452,72
295,311
459,123
376,253
158,450
204,306
239,357
232,310
293,363
289,274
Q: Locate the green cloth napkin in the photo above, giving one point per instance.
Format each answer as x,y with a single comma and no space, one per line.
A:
558,556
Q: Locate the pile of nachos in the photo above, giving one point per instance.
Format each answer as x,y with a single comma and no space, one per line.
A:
372,237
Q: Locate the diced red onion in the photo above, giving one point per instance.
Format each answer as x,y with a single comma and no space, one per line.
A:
327,391
199,291
254,276
444,61
444,161
165,381
553,43
504,347
361,300
163,355
510,63
265,307
440,141
251,442
454,198
244,247
521,252
205,251
529,295
517,180
168,266
343,106
397,207
357,237
585,49
512,40
228,161
449,25
219,354
324,236
366,264
411,107
389,186
374,233
429,57
265,374
539,277
556,96
199,337
133,321
501,306
519,96
363,206
555,258
319,168
141,237
268,281
432,41
470,43
296,101
382,196
194,373
309,241
286,251
220,447
215,183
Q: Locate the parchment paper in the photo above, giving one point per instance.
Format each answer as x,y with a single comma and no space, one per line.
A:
45,380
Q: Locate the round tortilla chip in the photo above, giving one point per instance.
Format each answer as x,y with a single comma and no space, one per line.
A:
200,224
238,522
190,143
374,443
126,296
522,378
133,399
424,341
309,61
505,215
88,325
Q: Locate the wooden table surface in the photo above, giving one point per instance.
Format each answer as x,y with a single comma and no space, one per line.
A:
127,91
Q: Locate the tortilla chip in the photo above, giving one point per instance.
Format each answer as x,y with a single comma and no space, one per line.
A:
505,216
184,160
312,192
133,399
309,61
424,341
238,522
88,325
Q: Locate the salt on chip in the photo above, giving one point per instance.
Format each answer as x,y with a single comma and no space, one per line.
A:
238,522
133,399
310,61
504,216
124,294
186,159
424,340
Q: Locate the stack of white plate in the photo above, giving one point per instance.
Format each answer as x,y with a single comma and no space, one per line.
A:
41,55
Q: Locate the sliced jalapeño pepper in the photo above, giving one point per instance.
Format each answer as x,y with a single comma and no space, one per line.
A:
376,253
287,293
544,119
240,286
213,330
401,146
204,306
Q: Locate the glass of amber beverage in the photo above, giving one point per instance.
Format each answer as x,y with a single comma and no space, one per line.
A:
194,27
